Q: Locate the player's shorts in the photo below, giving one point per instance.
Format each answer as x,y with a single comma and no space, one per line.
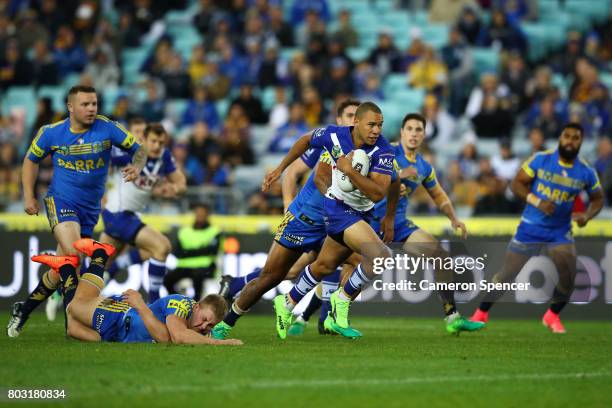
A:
530,238
122,225
401,232
300,233
339,216
108,319
59,210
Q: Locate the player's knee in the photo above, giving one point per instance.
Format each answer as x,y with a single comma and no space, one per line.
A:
162,249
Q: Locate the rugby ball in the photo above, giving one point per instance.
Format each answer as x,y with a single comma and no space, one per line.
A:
361,163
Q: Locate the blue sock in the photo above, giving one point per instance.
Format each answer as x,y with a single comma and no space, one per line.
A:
329,286
157,270
240,282
233,315
134,255
356,282
306,282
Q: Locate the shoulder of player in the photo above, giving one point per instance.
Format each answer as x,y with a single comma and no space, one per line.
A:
585,163
51,128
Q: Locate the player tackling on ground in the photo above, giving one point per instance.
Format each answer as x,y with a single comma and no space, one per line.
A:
549,183
80,147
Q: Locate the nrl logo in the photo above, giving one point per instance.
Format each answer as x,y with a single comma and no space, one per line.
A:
63,150
336,152
97,147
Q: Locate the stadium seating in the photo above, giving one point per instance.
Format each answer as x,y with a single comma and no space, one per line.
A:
57,94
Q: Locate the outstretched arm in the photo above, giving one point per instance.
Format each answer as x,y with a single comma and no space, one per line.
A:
445,206
298,149
181,334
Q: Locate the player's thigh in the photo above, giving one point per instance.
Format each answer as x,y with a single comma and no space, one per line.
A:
332,255
305,259
361,238
119,245
513,264
564,258
66,233
82,309
279,261
80,331
152,241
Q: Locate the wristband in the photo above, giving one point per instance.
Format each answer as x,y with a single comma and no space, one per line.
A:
534,200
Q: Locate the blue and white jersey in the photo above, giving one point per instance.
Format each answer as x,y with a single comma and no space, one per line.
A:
136,195
338,141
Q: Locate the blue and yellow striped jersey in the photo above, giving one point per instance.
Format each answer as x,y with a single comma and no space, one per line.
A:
309,201
173,305
80,160
416,173
559,183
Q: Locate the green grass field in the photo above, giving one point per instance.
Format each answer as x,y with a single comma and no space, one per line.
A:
399,362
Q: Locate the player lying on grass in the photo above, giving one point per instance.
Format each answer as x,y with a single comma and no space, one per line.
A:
173,319
549,183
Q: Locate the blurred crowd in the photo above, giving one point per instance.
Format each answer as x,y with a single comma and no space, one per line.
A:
213,97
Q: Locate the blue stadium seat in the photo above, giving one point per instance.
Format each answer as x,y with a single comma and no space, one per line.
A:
395,82
22,98
606,78
109,96
358,54
485,59
175,109
393,113
410,99
222,106
57,94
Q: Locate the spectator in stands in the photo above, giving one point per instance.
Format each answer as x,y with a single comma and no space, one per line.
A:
415,51
7,131
253,61
536,140
7,30
460,187
200,109
338,80
189,164
459,60
14,68
143,14
300,10
544,117
505,164
441,125
502,33
154,107
288,134
372,90
429,73
448,11
518,10
51,15
103,69
198,65
540,85
201,143
385,57
599,111
122,111
565,61
346,32
232,65
44,68
254,31
235,137
272,67
279,114
586,82
489,85
217,84
468,158
175,78
156,62
495,119
86,17
314,110
204,18
10,175
281,29
44,115
127,34
313,28
251,104
216,173
469,25
69,55
491,188
516,76
29,30
268,203
603,165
